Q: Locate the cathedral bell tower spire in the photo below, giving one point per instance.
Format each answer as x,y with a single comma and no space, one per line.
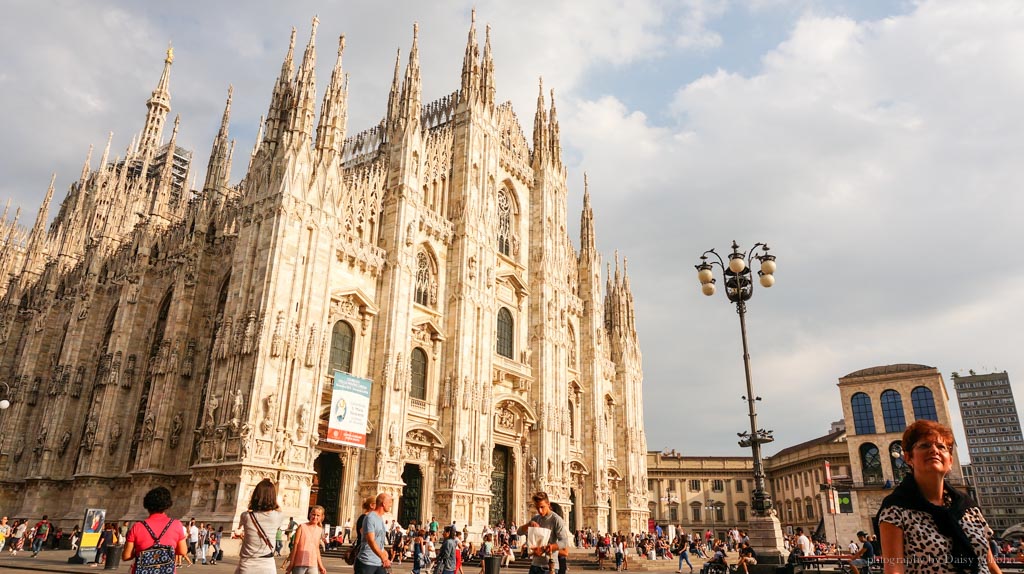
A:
330,131
554,134
588,241
158,105
218,170
280,101
303,104
86,167
409,102
470,72
35,252
540,129
487,88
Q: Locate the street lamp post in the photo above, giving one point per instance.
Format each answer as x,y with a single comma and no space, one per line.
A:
739,288
709,505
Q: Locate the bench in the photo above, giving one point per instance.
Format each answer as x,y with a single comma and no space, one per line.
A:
839,562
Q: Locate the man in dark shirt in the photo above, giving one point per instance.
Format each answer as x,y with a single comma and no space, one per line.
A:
865,556
747,557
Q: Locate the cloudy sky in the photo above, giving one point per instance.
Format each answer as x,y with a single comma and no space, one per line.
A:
876,146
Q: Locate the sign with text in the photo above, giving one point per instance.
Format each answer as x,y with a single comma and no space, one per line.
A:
350,408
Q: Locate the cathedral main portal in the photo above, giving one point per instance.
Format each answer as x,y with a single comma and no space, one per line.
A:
501,479
328,486
412,496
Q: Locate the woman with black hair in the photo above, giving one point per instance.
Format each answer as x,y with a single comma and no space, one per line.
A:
264,515
158,528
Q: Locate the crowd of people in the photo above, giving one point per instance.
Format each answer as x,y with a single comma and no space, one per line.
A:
925,526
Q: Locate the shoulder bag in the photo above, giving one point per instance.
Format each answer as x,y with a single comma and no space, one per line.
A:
263,536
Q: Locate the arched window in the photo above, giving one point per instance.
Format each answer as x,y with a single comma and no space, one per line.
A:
426,287
871,464
892,411
504,223
924,404
863,418
419,374
809,506
506,330
900,468
342,339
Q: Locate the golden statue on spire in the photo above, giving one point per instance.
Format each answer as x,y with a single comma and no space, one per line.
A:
170,54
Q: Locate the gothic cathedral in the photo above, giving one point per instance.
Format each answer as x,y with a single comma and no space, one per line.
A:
159,334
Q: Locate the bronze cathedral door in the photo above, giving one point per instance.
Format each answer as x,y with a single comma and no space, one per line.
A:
412,496
501,478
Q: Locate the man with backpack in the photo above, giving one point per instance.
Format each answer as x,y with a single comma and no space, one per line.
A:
155,541
42,530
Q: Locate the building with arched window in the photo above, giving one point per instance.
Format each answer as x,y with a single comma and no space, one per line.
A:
158,334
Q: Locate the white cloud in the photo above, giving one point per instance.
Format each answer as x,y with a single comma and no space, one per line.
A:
693,33
879,158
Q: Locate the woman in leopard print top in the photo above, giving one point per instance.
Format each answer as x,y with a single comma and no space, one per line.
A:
926,525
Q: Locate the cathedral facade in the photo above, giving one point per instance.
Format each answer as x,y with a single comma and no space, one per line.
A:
160,334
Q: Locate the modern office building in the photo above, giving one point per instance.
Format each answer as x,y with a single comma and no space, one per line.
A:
995,444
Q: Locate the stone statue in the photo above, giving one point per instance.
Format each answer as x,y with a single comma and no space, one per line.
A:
379,469
269,404
65,440
249,334
465,450
148,428
19,449
531,465
281,441
303,421
276,338
244,438
133,291
115,438
211,410
236,407
40,442
176,426
89,437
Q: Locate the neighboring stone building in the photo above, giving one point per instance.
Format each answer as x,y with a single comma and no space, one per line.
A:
863,451
156,334
699,493
878,404
995,444
796,474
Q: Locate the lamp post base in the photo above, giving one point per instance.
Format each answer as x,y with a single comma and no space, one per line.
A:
766,539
